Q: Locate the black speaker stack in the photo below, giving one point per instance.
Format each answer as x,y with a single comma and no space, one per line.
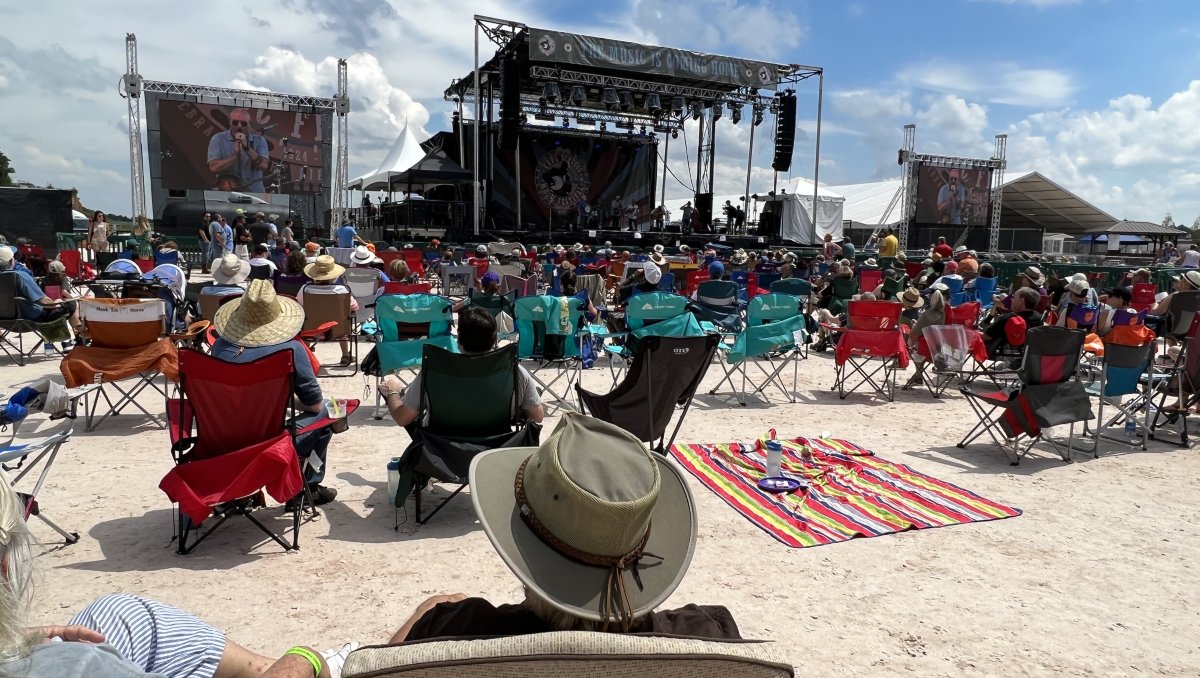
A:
785,131
510,104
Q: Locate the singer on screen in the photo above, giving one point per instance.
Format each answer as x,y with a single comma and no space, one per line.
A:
238,156
952,198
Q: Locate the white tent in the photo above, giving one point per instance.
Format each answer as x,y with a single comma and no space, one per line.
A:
406,151
796,217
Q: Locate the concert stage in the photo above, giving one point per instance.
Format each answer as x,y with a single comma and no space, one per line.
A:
634,241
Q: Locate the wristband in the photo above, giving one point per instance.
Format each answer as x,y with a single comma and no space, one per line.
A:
308,654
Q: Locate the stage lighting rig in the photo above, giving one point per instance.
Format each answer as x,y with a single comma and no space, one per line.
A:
566,122
578,95
550,92
674,133
735,112
678,106
626,100
717,110
758,115
653,104
697,110
609,98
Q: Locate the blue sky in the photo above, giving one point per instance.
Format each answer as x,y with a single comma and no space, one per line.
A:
1097,95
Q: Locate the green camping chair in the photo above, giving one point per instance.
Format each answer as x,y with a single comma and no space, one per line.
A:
404,324
550,333
776,333
447,436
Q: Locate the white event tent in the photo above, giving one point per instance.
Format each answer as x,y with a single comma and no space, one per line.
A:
406,151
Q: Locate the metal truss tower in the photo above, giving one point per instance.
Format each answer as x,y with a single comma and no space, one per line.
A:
131,91
706,151
341,108
997,191
908,184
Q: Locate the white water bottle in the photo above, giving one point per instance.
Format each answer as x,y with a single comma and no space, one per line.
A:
774,459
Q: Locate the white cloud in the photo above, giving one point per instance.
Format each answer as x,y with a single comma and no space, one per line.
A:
759,29
954,122
1001,83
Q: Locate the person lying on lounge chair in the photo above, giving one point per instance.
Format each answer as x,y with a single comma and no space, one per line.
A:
584,556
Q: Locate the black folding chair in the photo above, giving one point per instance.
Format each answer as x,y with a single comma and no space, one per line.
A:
665,373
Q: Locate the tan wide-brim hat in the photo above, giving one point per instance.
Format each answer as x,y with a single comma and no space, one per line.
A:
259,317
1035,275
324,268
229,269
587,517
658,259
911,298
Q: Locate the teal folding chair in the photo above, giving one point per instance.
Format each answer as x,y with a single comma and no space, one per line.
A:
775,334
641,311
550,332
404,325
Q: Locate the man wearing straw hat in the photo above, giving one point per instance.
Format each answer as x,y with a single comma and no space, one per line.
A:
258,324
597,547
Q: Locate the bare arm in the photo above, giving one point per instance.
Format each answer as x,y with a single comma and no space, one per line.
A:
535,414
222,164
1162,307
401,413
295,666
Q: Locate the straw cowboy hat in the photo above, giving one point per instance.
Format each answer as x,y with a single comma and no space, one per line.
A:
911,298
871,263
960,250
1190,277
684,249
259,317
229,269
901,257
579,534
1034,274
739,257
658,259
363,256
324,268
658,249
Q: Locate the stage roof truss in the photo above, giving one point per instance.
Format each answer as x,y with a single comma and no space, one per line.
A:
246,97
952,161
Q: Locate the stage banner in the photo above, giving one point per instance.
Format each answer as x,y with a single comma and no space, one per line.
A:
569,180
586,50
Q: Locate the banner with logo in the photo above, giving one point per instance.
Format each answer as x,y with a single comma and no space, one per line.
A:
586,50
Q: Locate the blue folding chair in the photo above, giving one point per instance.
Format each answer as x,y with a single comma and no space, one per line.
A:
776,333
985,289
550,332
404,324
1122,370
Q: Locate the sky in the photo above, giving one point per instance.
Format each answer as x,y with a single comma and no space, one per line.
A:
1100,96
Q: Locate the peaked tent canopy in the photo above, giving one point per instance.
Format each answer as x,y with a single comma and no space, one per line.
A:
432,170
405,152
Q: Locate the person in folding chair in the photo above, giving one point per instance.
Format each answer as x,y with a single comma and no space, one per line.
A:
261,323
584,557
1004,333
476,334
33,304
124,636
324,273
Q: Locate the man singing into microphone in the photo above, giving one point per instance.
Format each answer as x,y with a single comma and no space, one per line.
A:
240,152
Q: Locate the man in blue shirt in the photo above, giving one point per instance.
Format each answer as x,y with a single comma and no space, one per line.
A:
239,152
347,235
216,238
34,305
260,324
951,200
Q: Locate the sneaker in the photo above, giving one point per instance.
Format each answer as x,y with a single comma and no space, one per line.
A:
320,495
336,659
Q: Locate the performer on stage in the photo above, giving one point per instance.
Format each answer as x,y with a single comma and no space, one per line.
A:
238,156
685,217
632,214
614,213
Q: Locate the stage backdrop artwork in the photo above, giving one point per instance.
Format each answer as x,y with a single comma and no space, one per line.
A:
958,197
572,180
231,148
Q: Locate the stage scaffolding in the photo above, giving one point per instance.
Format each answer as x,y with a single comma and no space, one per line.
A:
133,86
706,100
911,163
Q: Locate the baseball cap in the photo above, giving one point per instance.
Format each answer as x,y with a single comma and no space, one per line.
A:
653,274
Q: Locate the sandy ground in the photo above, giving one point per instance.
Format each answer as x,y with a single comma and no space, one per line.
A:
1096,578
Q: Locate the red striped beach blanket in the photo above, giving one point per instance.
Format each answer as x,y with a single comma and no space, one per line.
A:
848,492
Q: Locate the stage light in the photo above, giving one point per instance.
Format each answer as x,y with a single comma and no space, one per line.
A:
578,95
603,127
735,111
697,109
677,105
626,101
758,116
674,134
609,98
717,110
653,104
550,92
566,122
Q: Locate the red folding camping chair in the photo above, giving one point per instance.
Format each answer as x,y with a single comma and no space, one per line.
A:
407,288
965,314
1143,296
870,348
233,435
869,279
77,269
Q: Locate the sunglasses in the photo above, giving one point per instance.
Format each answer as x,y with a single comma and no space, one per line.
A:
239,123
